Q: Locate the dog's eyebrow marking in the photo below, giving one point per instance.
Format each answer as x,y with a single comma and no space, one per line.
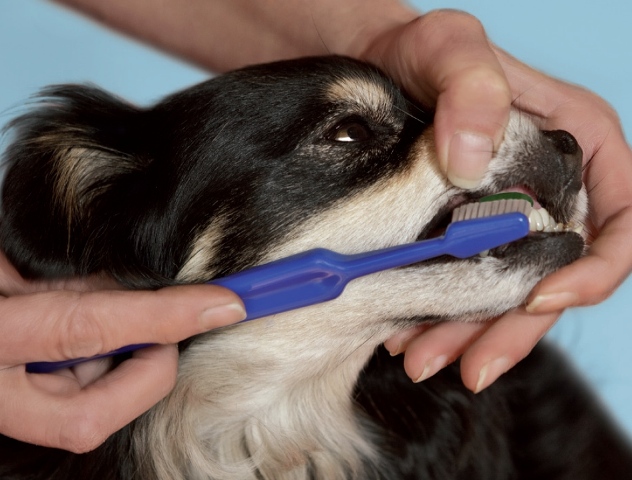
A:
364,93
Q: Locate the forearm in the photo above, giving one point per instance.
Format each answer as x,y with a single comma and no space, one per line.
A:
225,34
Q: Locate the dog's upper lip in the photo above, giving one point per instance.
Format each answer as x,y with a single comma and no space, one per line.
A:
527,191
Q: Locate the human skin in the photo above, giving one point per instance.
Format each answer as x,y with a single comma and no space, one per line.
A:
77,409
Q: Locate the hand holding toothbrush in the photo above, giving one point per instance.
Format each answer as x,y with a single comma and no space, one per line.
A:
77,409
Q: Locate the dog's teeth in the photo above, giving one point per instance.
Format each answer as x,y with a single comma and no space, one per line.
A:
546,218
535,221
540,220
484,253
579,229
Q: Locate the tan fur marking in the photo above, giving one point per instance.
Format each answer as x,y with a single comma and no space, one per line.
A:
79,170
196,268
362,93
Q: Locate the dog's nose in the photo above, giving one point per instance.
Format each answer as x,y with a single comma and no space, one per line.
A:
567,156
563,141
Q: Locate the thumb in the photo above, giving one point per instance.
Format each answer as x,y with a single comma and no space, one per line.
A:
445,60
473,96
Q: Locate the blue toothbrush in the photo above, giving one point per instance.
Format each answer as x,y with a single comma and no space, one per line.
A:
320,275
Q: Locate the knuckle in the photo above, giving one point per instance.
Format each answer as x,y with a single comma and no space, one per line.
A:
82,433
168,383
608,271
81,334
598,107
485,78
598,295
444,26
451,16
607,110
448,25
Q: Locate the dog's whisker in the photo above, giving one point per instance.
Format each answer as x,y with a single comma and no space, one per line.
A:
320,37
422,122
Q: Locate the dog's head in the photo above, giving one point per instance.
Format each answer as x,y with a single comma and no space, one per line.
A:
266,162
250,167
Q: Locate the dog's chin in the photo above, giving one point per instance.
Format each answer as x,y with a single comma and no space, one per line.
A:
485,286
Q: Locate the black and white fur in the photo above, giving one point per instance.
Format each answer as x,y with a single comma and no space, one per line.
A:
273,160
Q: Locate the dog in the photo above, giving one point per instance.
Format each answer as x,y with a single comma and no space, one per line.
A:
265,162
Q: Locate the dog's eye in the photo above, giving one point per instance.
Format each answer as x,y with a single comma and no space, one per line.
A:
351,132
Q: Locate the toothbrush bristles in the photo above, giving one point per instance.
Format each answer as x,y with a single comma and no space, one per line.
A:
488,209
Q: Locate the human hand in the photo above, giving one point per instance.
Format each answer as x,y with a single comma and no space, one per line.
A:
445,59
77,409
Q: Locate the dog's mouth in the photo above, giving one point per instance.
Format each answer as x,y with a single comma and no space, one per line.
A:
542,222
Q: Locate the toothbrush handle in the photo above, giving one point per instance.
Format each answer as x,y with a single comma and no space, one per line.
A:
320,275
297,281
293,282
462,239
48,367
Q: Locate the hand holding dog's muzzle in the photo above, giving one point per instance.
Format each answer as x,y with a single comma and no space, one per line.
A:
488,350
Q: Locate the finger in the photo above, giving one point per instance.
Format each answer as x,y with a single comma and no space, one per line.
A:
473,101
590,279
444,59
66,325
399,342
608,262
11,281
78,419
87,372
438,346
507,341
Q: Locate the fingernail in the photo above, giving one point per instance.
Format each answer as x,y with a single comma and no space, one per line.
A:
222,315
394,351
469,155
490,373
397,350
432,366
552,302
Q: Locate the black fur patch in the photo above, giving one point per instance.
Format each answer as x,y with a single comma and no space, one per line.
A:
136,221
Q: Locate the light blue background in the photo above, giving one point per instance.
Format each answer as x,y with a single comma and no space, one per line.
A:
576,40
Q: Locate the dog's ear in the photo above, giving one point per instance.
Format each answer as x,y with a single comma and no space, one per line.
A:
72,166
